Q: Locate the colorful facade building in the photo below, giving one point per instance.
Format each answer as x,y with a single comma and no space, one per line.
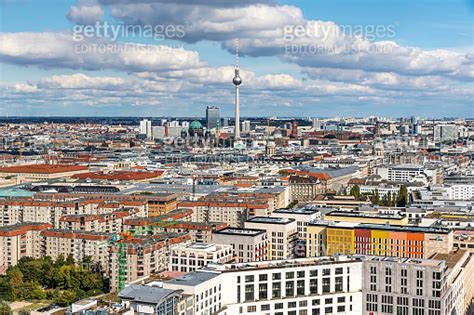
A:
329,238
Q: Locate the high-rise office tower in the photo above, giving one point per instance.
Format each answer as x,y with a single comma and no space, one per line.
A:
213,117
225,122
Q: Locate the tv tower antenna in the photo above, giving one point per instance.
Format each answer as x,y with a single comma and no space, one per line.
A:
237,80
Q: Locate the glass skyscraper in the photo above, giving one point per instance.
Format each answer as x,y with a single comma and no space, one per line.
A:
213,117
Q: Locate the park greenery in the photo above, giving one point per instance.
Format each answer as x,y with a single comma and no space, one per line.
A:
62,281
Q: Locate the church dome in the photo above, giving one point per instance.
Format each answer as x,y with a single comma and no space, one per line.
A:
195,125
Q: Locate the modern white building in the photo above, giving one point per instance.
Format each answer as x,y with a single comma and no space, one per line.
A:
302,216
411,173
189,257
302,286
247,244
460,192
328,285
282,235
146,129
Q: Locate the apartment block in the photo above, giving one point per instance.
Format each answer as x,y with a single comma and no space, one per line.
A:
78,244
282,235
18,241
303,217
416,286
134,258
326,285
247,244
233,213
189,257
303,286
330,238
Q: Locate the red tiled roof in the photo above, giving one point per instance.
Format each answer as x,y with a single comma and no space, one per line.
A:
120,175
42,169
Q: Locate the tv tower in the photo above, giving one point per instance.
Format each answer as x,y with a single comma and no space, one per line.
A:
237,81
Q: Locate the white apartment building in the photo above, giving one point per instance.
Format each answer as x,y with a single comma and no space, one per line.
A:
330,285
18,241
248,245
282,235
146,128
303,286
460,192
302,216
410,173
189,257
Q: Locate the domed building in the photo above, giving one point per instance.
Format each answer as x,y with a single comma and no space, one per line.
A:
196,129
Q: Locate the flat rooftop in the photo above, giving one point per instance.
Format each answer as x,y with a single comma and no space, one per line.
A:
304,211
270,220
194,278
240,232
388,227
366,215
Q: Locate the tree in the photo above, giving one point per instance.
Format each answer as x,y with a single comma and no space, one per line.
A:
6,292
402,200
65,298
5,308
355,191
375,199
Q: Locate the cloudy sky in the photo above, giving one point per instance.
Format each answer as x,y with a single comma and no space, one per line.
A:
297,58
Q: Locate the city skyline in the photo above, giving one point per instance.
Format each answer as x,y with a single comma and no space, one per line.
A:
298,59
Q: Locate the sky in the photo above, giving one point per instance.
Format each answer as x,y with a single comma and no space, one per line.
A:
302,58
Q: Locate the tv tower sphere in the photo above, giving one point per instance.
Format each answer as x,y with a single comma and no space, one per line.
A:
237,80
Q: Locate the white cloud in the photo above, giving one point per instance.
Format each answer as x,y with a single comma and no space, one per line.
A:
59,50
85,12
270,29
82,81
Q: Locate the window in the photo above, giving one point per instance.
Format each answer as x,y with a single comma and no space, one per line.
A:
326,285
265,307
276,276
251,308
249,292
339,271
300,287
249,278
290,288
313,286
328,301
276,290
326,272
338,287
291,304
278,306
263,277
262,291
328,310
313,273
290,275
